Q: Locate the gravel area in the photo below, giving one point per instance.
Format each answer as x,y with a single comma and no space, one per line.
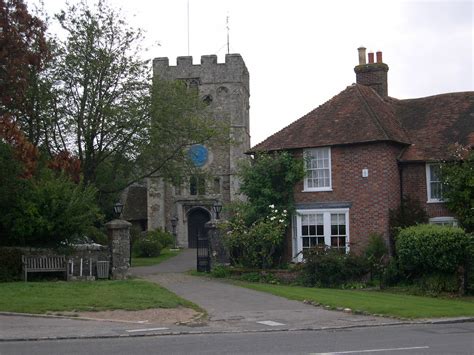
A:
178,315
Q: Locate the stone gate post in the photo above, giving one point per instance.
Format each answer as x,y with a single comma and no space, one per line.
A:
219,254
119,243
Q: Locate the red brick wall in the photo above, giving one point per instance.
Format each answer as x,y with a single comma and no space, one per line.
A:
371,197
414,185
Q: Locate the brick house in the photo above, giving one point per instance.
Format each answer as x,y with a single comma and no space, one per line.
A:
364,150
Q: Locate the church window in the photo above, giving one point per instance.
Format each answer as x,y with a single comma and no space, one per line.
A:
222,90
193,83
207,99
217,185
197,185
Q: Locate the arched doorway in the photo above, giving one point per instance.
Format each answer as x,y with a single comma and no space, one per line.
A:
197,218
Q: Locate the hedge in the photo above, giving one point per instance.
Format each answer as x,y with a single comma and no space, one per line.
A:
428,249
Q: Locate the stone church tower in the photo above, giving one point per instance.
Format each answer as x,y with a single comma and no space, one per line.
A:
225,87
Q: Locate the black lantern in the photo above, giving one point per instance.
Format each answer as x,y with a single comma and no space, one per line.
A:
174,223
118,207
217,208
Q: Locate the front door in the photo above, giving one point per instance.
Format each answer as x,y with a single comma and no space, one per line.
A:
197,219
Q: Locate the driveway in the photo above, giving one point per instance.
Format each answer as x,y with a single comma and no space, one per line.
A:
236,308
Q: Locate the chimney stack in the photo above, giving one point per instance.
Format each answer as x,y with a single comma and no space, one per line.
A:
373,75
361,55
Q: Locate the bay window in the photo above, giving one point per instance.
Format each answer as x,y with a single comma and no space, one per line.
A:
322,227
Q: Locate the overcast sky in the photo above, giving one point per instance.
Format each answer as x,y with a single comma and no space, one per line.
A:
300,53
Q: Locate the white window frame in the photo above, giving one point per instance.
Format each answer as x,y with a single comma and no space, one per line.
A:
324,188
444,221
428,185
297,254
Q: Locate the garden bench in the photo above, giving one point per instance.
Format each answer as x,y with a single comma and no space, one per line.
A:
41,263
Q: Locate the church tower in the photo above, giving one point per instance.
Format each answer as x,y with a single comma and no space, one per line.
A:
225,87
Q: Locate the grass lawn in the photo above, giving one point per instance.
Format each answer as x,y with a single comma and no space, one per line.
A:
42,297
165,255
373,302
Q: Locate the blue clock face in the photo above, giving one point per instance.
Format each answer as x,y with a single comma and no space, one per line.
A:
198,155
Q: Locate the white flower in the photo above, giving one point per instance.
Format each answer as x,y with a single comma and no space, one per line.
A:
276,211
281,220
272,206
272,218
284,211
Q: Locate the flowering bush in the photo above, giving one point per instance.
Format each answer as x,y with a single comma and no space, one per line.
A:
255,245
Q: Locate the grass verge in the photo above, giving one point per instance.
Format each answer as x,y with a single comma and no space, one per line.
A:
43,297
165,255
373,302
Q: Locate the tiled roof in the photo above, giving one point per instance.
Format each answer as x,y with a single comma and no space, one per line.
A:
357,114
434,123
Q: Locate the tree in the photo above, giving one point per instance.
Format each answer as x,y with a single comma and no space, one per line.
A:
50,211
102,87
22,149
255,232
458,178
178,120
10,184
269,180
23,51
121,126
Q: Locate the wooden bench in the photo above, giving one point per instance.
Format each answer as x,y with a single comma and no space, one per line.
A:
41,263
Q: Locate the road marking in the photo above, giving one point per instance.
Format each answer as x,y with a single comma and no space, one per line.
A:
145,330
372,350
270,323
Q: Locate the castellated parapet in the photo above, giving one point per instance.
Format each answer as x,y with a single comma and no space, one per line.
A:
209,71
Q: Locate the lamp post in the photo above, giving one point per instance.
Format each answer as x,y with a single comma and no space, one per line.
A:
118,207
174,223
217,208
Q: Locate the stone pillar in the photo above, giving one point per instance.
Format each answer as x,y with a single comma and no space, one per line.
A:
119,243
219,254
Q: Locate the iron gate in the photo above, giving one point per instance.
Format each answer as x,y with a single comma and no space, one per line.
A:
203,253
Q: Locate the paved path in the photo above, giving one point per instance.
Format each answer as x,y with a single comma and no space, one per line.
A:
236,308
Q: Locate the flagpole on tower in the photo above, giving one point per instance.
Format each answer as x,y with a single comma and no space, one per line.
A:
227,26
188,27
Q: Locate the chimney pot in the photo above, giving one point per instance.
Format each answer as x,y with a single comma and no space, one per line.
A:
379,57
362,59
371,57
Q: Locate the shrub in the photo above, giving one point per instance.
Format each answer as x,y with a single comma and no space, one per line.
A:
51,211
391,274
427,249
148,247
376,254
10,264
257,245
166,239
437,283
409,213
220,271
328,268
